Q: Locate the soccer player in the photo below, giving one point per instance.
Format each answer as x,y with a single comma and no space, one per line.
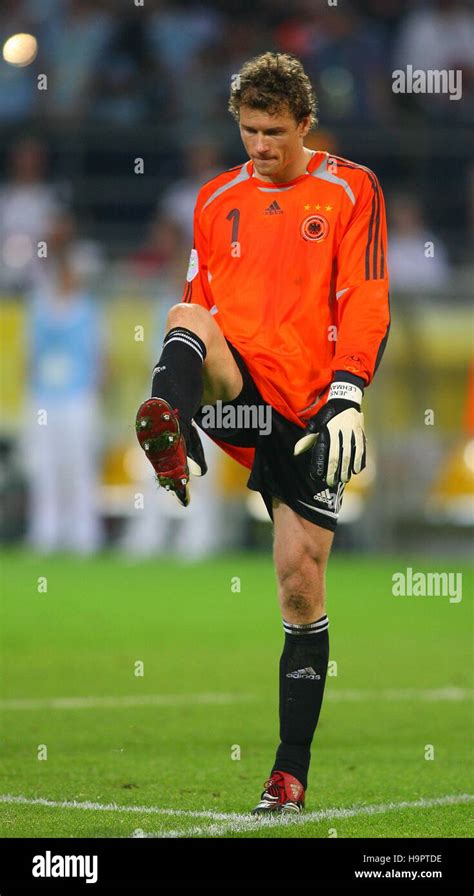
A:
285,308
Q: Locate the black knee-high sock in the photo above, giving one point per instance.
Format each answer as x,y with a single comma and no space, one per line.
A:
177,376
303,669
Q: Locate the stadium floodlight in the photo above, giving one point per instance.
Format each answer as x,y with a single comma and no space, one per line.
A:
20,49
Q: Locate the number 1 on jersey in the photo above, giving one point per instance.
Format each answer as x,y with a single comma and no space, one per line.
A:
234,216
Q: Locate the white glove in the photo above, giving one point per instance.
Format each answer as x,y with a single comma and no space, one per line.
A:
336,436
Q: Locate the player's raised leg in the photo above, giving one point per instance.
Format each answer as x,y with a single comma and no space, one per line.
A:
301,551
195,367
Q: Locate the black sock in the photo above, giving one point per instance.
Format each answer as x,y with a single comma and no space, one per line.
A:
303,668
177,376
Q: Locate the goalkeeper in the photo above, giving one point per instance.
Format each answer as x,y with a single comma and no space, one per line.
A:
285,308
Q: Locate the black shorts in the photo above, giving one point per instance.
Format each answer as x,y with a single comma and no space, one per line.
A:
275,473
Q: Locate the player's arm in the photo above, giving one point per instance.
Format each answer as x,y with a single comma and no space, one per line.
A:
197,288
336,433
363,314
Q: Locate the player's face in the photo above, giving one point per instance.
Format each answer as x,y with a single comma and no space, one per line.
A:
273,142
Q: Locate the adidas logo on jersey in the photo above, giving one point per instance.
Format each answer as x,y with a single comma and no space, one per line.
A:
274,209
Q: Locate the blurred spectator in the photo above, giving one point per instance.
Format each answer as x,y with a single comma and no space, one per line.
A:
28,205
42,10
440,36
17,93
201,109
301,30
177,31
178,201
122,88
345,55
417,258
86,255
165,247
60,445
78,37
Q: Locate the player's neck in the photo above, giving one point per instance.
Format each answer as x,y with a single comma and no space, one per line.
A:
295,169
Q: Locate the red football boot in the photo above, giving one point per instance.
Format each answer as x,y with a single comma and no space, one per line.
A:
160,436
283,793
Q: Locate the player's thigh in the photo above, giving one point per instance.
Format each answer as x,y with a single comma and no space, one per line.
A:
301,551
222,378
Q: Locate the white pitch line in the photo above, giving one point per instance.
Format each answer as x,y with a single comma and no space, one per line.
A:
251,824
119,702
335,695
90,806
234,822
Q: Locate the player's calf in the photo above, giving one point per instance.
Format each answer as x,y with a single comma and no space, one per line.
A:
221,377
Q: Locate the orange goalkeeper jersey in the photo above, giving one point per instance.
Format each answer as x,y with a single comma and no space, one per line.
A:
295,275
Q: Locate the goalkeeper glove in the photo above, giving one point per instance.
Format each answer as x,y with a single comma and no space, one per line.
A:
336,436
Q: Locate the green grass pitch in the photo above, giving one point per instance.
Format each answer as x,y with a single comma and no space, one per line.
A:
155,754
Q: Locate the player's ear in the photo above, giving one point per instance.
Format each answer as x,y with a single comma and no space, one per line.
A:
304,126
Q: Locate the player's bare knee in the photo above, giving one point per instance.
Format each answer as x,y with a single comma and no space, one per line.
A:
297,604
301,589
193,317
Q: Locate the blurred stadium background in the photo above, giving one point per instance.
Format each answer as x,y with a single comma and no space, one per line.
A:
105,139
101,161
81,327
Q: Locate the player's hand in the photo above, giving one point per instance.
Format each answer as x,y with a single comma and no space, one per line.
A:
336,436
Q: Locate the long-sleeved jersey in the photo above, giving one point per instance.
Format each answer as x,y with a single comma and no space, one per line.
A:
295,275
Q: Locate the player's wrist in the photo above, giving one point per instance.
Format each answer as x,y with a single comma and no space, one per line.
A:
345,376
341,390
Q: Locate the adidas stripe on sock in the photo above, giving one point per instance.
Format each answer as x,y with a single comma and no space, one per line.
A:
309,628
